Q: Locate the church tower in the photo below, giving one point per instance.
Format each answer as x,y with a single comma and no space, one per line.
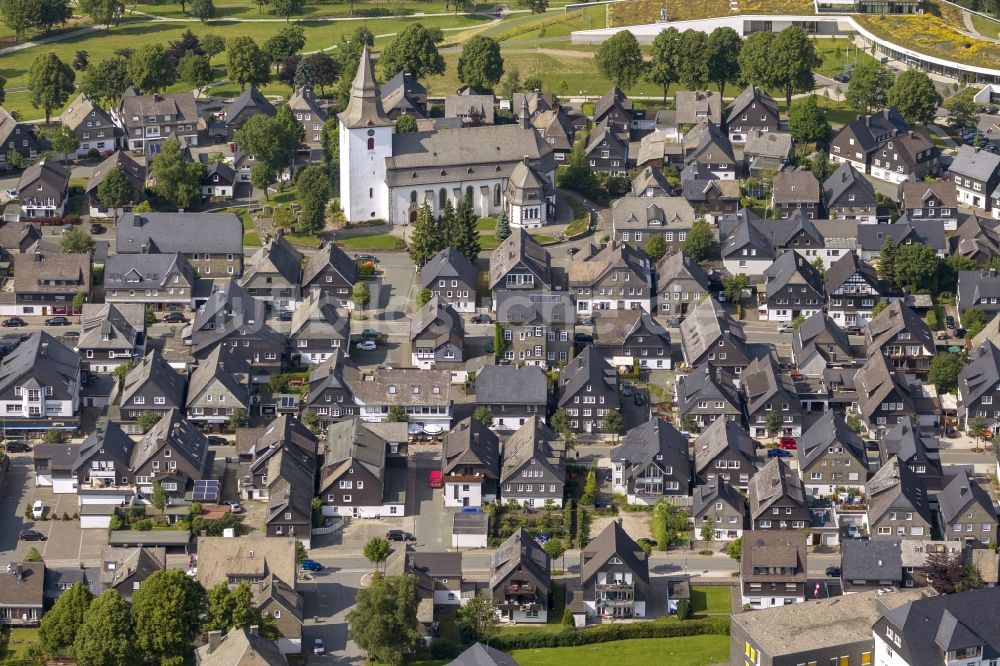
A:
365,143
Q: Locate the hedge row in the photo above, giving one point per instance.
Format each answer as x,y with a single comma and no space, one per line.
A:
605,633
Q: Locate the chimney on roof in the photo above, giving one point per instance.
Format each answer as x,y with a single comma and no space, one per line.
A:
963,491
214,641
254,629
44,349
19,572
136,220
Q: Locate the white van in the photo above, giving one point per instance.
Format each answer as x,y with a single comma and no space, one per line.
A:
37,510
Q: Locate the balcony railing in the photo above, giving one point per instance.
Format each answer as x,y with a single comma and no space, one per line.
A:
615,586
520,589
619,603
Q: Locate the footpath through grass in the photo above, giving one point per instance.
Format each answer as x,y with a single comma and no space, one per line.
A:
683,651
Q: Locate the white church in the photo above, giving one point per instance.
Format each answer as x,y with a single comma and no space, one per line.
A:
389,176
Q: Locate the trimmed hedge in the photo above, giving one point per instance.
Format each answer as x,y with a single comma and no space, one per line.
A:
606,633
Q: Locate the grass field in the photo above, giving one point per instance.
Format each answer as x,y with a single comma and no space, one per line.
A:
19,640
711,599
685,651
372,242
985,26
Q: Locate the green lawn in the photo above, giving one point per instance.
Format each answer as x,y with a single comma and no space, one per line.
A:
986,27
302,240
711,599
19,640
581,218
838,113
684,651
372,242
836,54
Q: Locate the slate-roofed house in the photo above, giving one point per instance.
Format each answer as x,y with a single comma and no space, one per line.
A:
43,189
520,579
147,120
606,150
250,102
626,337
588,390
173,453
767,389
966,511
103,462
707,146
482,655
92,126
941,630
111,335
638,219
650,182
331,272
470,464
22,138
976,289
46,283
232,317
871,564
22,594
512,393
557,129
979,387
520,263
163,281
533,467
615,277
273,275
978,239
753,109
318,329
773,569
852,289
311,115
884,394
451,277
529,197
902,336
724,453
766,152
777,498
680,284
329,395
615,107
16,238
794,287
404,94
473,109
424,394
219,388
976,175
436,335
239,647
710,335
720,505
359,477
898,505
40,386
848,196
124,569
538,326
904,155
930,201
819,343
259,446
745,248
614,575
651,463
151,386
830,455
857,142
796,191
871,238
211,242
219,181
706,396
134,173
712,198
697,106
290,484
917,450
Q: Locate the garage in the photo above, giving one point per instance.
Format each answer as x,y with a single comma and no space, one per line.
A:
95,517
469,529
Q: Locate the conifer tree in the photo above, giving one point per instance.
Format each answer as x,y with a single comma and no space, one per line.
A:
422,241
465,235
503,226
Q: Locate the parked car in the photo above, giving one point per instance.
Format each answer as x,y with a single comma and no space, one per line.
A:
471,509
174,318
310,565
639,399
96,228
33,535
436,479
66,228
17,447
778,453
787,443
235,507
37,510
366,345
70,335
215,440
842,78
481,319
833,572
318,646
627,390
784,328
57,321
14,322
583,338
959,333
853,532
489,347
674,322
285,316
399,535
369,334
949,321
541,538
368,257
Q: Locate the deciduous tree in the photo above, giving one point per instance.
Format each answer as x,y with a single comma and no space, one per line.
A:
794,58
203,10
536,6
723,53
149,69
974,320
478,619
665,54
19,15
413,50
60,624
166,610
288,8
480,65
107,635
484,415
915,97
620,59
755,62
944,371
178,180
700,241
868,89
806,121
246,63
287,41
76,241
383,621
213,44
361,295
106,81
50,82
916,267
103,12
397,414
195,71
962,112
63,141
405,123
377,551
656,248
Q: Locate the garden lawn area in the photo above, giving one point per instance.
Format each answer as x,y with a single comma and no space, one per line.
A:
250,236
372,242
486,224
710,599
933,33
838,113
683,651
19,640
300,239
581,218
488,241
836,53
985,26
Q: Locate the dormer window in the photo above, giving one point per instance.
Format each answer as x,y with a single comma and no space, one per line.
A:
416,390
392,389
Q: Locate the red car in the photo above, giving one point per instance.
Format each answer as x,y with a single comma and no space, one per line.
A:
787,443
436,479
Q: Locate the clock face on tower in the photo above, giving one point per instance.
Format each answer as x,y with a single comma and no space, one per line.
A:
371,132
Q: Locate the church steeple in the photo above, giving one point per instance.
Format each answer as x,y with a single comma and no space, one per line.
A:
364,109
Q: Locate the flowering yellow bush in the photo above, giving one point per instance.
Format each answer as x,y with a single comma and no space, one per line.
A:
931,35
